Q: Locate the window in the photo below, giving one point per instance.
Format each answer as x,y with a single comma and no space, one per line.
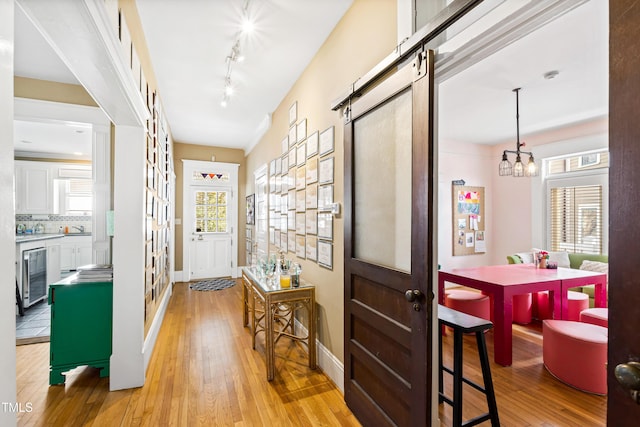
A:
577,197
576,219
78,197
211,212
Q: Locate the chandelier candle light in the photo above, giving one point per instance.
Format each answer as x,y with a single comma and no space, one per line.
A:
518,169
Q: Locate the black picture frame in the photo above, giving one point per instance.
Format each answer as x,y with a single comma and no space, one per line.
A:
251,213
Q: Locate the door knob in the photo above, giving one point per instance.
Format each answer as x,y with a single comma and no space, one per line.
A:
412,294
628,374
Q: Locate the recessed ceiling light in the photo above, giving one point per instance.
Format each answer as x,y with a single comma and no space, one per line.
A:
77,153
79,131
24,141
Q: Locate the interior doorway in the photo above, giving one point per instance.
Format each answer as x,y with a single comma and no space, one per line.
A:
210,216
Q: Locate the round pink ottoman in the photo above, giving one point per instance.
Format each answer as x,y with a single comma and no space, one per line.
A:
577,302
576,354
522,309
473,303
595,316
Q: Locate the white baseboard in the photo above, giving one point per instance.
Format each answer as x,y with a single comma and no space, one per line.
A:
177,276
327,361
154,329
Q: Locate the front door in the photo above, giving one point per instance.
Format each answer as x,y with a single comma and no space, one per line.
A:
389,200
210,247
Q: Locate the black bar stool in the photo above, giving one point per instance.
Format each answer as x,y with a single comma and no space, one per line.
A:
463,323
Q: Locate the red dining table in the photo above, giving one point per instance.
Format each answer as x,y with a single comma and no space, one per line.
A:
505,281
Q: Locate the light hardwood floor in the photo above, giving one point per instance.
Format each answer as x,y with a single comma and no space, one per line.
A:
204,372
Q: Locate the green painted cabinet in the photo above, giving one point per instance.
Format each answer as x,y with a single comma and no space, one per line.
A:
81,325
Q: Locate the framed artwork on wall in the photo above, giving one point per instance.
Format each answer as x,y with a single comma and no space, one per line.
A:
251,199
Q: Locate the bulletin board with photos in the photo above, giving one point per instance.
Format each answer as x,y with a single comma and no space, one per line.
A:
301,192
469,236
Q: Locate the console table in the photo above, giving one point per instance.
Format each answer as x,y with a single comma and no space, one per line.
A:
279,305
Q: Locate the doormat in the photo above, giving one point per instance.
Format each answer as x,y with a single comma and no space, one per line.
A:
212,285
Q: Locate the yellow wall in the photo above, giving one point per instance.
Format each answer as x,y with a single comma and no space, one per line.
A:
200,152
364,36
51,91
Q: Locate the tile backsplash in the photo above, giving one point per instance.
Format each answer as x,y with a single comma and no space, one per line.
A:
52,223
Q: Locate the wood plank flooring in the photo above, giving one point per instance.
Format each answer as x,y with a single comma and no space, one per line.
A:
204,372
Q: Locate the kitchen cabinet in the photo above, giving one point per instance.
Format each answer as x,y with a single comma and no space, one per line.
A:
81,326
53,261
75,251
34,188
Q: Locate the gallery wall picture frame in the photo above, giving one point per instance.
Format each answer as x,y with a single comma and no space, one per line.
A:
279,165
325,226
293,136
325,171
293,113
312,144
301,130
327,142
284,203
301,227
301,153
301,178
325,254
251,218
312,170
291,201
312,196
325,197
291,220
272,167
285,163
283,240
292,158
311,222
291,241
301,201
285,144
312,248
283,222
301,246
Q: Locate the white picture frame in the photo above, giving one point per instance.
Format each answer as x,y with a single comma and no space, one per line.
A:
293,138
311,196
325,171
327,142
291,220
325,254
291,201
301,227
301,130
293,113
312,170
301,153
301,246
325,197
301,201
292,158
301,178
312,144
311,222
311,248
283,240
291,241
325,226
285,163
285,145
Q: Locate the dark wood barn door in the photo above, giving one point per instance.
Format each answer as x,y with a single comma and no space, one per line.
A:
389,178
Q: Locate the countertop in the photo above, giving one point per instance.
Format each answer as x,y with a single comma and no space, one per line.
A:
21,238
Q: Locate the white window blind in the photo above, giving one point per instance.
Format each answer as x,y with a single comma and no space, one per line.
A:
577,219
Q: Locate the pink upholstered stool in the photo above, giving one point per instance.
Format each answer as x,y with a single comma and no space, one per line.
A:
473,303
577,302
595,316
522,305
576,354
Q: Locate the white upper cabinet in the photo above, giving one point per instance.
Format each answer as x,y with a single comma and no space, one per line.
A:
34,188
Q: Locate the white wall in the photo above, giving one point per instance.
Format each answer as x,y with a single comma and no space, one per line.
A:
7,220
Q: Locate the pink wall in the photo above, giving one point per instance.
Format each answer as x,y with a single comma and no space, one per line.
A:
514,207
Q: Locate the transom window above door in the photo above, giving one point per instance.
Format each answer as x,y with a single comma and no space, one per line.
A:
211,212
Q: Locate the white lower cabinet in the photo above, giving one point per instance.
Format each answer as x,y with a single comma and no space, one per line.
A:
75,251
53,261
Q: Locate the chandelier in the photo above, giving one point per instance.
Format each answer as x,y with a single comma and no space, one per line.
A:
518,169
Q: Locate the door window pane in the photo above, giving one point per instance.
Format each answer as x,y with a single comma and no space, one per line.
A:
211,211
382,184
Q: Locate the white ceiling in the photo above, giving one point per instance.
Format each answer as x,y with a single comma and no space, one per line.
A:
188,47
